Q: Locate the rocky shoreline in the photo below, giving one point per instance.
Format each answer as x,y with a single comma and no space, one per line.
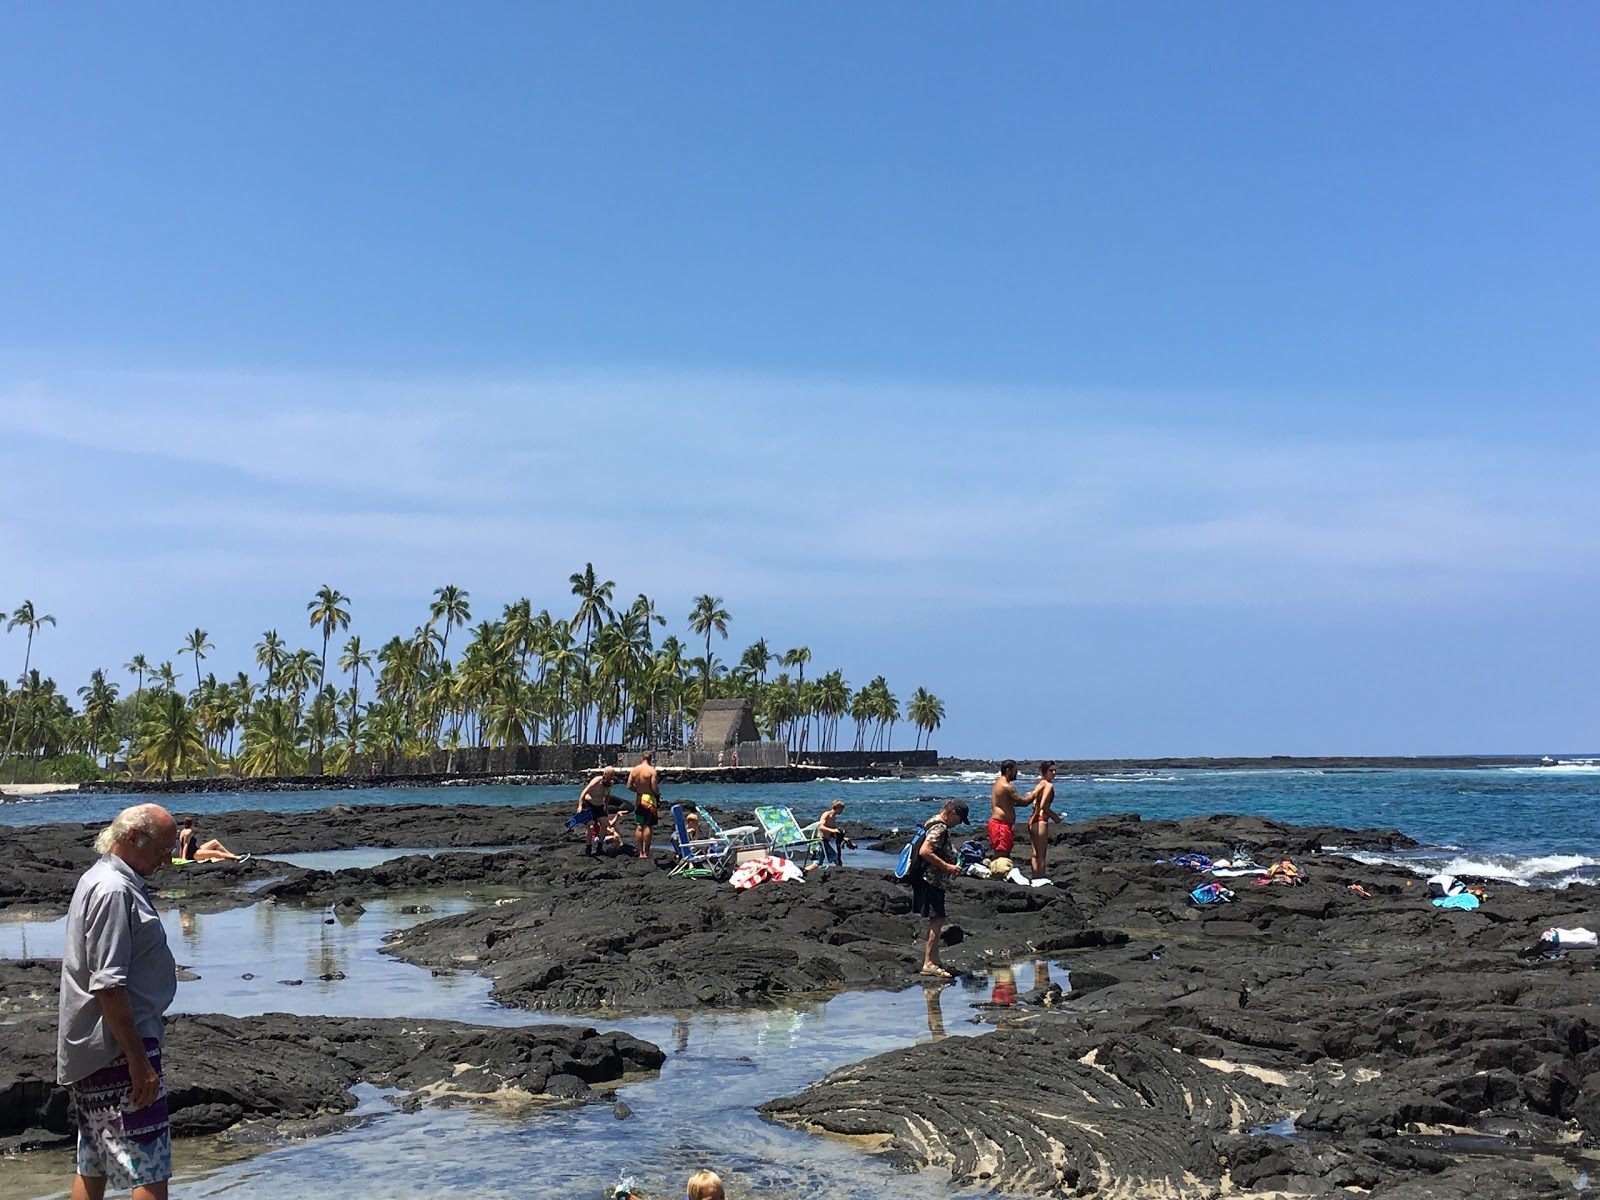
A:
1418,1052
267,1078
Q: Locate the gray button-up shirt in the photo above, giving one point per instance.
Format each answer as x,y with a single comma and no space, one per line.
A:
114,939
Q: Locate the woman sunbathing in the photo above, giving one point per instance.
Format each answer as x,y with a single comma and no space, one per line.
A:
191,849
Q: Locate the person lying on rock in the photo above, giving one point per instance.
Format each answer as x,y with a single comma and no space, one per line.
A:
935,863
192,849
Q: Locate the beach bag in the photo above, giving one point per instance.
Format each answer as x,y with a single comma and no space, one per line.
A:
1211,893
908,857
1445,885
970,852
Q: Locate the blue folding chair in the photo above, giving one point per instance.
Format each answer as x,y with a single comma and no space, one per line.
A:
708,856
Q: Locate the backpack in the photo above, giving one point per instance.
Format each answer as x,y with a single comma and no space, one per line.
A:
910,859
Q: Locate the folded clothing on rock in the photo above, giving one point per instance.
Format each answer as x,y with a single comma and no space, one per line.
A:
1570,939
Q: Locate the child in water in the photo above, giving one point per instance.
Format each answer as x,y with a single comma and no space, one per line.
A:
703,1185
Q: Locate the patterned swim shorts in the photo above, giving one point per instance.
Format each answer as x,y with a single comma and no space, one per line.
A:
127,1149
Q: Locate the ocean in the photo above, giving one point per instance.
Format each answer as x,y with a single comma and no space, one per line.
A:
1535,825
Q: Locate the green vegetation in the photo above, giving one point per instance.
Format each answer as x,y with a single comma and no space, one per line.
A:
522,679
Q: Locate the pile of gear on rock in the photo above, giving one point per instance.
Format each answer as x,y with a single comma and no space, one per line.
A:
1240,866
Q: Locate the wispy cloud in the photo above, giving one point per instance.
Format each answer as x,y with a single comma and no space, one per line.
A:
157,501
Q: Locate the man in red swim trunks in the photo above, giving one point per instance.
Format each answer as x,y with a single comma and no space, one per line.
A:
1003,813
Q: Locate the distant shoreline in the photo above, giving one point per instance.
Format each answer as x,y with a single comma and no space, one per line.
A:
792,774
1278,762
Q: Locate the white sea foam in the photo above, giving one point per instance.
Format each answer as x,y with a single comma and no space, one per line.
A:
1135,778
1547,870
1565,766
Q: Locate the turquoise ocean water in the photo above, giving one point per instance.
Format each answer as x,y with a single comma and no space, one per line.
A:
1534,824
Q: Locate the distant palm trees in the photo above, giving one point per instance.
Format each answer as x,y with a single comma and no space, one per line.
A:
32,621
926,712
171,737
521,678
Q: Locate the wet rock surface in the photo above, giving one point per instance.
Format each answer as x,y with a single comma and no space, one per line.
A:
272,1074
1418,1051
624,935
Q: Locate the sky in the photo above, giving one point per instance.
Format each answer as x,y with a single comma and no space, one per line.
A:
1141,379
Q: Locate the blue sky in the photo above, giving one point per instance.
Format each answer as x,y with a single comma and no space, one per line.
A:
1142,379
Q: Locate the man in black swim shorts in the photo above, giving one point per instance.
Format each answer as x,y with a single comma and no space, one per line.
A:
593,799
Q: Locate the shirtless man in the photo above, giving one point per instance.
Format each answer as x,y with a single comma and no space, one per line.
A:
832,838
595,796
644,781
1003,799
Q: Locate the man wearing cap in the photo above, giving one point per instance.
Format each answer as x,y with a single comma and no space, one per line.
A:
117,978
936,862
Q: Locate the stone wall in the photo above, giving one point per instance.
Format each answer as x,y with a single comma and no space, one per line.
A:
852,760
479,760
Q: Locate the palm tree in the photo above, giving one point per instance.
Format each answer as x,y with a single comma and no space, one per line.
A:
756,659
327,615
708,615
450,606
271,739
170,736
137,665
594,606
927,712
799,657
32,621
99,705
196,645
270,657
353,660
301,670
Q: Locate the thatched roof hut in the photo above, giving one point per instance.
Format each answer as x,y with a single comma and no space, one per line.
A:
723,724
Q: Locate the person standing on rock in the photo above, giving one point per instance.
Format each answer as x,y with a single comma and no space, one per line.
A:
1042,796
1003,801
117,979
592,800
936,862
644,781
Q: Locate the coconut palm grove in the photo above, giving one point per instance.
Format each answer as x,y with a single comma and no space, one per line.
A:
522,678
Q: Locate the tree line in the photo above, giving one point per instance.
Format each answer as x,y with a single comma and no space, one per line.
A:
520,679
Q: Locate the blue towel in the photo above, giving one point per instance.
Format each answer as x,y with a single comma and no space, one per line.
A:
1459,900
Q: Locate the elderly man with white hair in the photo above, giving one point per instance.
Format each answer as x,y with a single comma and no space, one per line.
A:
117,978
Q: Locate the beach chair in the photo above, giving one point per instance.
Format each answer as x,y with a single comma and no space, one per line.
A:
712,855
746,840
786,837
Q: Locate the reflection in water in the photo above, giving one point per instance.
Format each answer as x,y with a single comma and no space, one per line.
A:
700,1110
935,997
1005,986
